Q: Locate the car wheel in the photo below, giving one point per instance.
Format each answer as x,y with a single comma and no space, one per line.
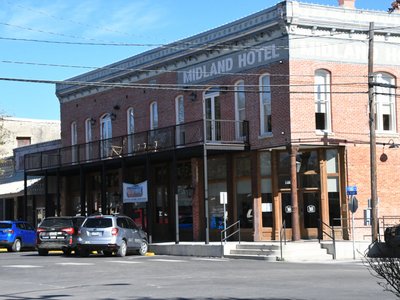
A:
83,253
43,252
144,247
122,249
67,252
16,247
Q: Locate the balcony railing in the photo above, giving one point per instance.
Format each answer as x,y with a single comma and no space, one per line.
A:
179,136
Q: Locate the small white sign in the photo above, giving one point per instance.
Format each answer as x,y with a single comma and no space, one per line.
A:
311,209
266,207
223,198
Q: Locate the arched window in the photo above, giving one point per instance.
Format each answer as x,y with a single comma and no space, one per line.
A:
180,119
322,92
106,135
153,115
240,108
74,142
89,138
265,105
385,103
130,116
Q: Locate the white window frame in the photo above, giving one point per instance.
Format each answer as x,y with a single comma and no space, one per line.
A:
106,135
322,100
385,100
240,108
265,104
74,141
153,115
179,119
88,138
130,117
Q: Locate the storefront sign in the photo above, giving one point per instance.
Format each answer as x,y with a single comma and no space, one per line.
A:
135,192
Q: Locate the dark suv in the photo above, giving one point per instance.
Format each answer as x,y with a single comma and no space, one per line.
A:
58,233
392,236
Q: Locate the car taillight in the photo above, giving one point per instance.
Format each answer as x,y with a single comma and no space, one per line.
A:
39,230
69,230
9,231
114,231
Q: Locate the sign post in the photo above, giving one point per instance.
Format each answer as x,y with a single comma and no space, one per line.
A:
224,200
353,206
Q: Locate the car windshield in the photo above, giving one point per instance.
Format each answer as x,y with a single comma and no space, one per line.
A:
56,222
5,225
98,223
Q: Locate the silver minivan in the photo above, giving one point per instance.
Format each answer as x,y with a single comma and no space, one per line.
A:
111,234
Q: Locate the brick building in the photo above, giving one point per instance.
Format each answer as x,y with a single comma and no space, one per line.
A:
272,109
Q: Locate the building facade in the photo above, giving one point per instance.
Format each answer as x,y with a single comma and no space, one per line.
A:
270,112
20,136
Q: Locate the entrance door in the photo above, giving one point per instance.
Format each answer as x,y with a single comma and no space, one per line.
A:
213,115
309,204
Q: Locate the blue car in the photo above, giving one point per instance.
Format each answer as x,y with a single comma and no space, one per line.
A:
16,235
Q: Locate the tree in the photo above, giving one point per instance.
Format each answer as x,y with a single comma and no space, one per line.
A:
395,5
387,270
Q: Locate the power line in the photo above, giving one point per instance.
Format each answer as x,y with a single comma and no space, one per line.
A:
161,71
174,87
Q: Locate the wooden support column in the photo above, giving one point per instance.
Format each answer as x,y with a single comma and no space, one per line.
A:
256,189
295,200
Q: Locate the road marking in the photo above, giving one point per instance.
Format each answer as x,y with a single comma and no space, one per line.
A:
124,262
211,259
167,260
75,264
22,266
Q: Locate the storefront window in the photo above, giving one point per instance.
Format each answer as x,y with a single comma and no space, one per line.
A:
332,161
217,184
216,209
244,196
266,189
334,201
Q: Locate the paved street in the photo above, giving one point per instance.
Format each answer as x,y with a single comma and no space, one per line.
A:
28,276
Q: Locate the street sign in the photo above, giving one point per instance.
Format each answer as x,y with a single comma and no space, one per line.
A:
351,190
353,204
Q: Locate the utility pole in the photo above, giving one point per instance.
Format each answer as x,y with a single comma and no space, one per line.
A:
372,124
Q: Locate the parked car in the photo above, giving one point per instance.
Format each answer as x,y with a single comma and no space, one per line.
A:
111,234
17,235
58,233
392,236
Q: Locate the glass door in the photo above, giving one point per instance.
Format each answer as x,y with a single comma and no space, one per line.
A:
213,116
309,203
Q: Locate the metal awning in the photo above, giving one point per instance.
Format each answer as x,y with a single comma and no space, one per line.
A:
14,186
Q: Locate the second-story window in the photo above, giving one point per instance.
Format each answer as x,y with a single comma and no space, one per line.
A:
153,115
240,108
385,103
130,129
265,105
74,142
322,94
89,138
180,119
106,135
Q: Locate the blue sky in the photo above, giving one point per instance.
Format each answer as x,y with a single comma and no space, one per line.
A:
23,23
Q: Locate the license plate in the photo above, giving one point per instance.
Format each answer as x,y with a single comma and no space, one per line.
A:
95,233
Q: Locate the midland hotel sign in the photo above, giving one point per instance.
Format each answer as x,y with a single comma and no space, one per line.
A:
231,63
